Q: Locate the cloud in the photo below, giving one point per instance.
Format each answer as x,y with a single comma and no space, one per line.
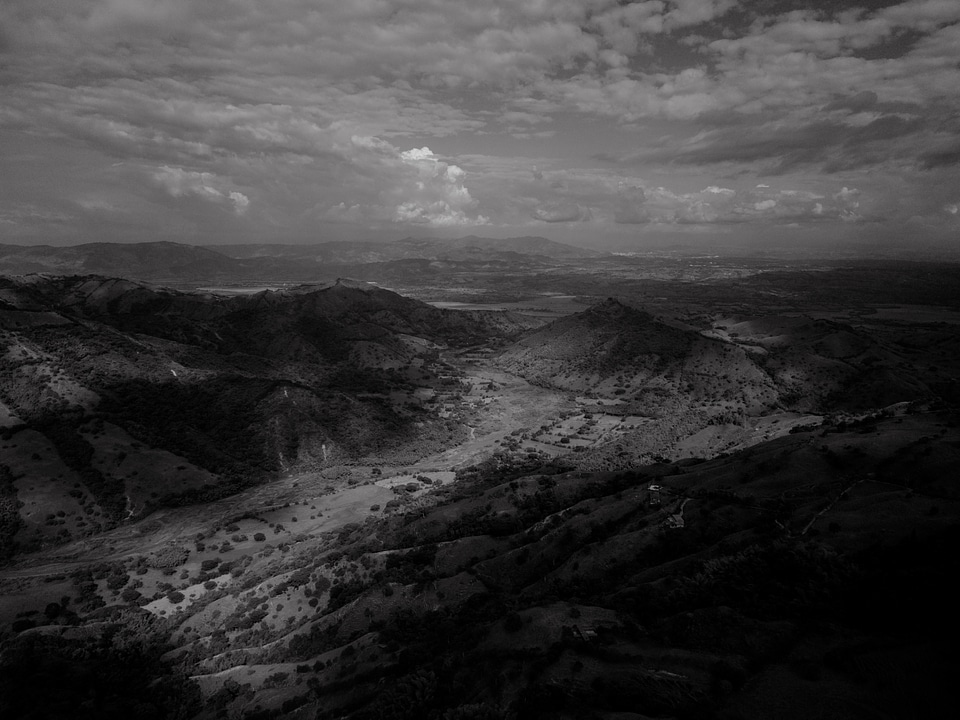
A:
557,212
682,13
412,186
715,205
307,112
864,100
437,195
941,157
239,200
630,208
178,183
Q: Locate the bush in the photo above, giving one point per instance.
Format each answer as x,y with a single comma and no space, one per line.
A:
115,582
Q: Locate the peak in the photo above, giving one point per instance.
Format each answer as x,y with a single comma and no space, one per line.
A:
611,305
354,284
614,308
612,302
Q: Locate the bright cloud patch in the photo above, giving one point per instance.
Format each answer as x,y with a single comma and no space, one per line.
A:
437,195
412,187
179,183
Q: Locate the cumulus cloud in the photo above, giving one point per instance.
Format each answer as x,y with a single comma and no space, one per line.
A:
413,186
179,183
630,208
437,195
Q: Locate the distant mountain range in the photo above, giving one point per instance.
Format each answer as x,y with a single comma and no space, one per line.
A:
466,248
176,262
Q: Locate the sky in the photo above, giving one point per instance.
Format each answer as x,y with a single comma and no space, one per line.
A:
599,122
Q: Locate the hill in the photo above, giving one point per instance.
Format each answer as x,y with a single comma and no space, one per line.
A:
124,397
614,351
742,364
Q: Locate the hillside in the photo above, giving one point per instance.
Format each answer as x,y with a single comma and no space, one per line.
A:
123,397
741,364
614,351
803,573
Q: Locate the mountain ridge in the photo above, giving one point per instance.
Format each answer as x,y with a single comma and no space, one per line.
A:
170,261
